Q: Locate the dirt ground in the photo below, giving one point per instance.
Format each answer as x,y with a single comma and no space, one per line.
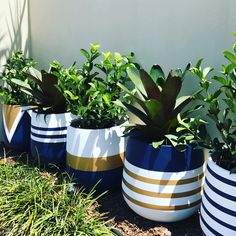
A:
129,223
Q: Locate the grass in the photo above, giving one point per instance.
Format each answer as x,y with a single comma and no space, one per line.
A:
33,202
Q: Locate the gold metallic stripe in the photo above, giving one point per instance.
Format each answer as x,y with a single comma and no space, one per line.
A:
95,164
163,182
162,208
161,195
10,113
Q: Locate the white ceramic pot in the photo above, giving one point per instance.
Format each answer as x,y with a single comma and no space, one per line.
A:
218,209
96,155
162,184
48,137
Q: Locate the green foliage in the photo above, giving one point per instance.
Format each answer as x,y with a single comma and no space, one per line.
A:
222,114
49,97
38,203
17,67
157,105
91,91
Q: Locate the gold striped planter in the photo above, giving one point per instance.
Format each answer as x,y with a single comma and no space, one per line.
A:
96,155
16,126
154,189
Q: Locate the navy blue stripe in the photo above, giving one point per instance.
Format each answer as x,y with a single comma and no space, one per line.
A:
225,195
49,129
165,158
217,219
216,205
49,136
222,179
210,228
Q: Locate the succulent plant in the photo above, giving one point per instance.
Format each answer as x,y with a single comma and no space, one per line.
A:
157,105
49,97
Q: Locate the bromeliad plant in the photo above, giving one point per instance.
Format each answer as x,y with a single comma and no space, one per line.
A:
160,109
17,67
223,114
92,90
49,98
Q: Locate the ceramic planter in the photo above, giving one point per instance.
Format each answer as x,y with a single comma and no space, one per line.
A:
218,209
16,126
48,137
162,184
96,155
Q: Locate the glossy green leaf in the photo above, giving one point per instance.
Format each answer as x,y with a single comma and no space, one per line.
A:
134,75
85,53
230,56
157,72
151,88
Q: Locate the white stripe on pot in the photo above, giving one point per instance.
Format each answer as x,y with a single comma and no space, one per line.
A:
162,188
164,175
217,198
220,185
167,216
224,216
220,171
161,201
48,140
53,132
205,229
89,143
215,225
52,120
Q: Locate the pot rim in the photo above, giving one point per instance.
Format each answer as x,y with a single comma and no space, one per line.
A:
220,170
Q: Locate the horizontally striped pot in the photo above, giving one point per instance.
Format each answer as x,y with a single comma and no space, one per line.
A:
16,126
218,209
162,184
96,155
48,138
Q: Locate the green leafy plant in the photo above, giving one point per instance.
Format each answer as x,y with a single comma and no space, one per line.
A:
91,91
17,67
160,109
221,104
49,97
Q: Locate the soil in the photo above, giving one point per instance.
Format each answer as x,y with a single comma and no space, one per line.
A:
129,223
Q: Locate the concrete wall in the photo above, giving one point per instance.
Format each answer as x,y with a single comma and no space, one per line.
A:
14,30
168,32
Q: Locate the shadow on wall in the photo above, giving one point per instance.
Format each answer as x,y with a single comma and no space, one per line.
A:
14,30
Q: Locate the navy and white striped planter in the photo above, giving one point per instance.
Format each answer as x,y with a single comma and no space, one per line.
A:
48,137
95,155
162,184
218,209
16,126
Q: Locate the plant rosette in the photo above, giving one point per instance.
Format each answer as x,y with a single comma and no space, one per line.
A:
95,156
163,169
162,184
16,126
48,138
218,208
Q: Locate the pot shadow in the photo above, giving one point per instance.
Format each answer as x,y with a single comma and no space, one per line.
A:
125,220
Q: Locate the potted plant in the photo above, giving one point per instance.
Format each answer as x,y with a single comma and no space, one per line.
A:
218,208
15,110
95,146
49,119
163,169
